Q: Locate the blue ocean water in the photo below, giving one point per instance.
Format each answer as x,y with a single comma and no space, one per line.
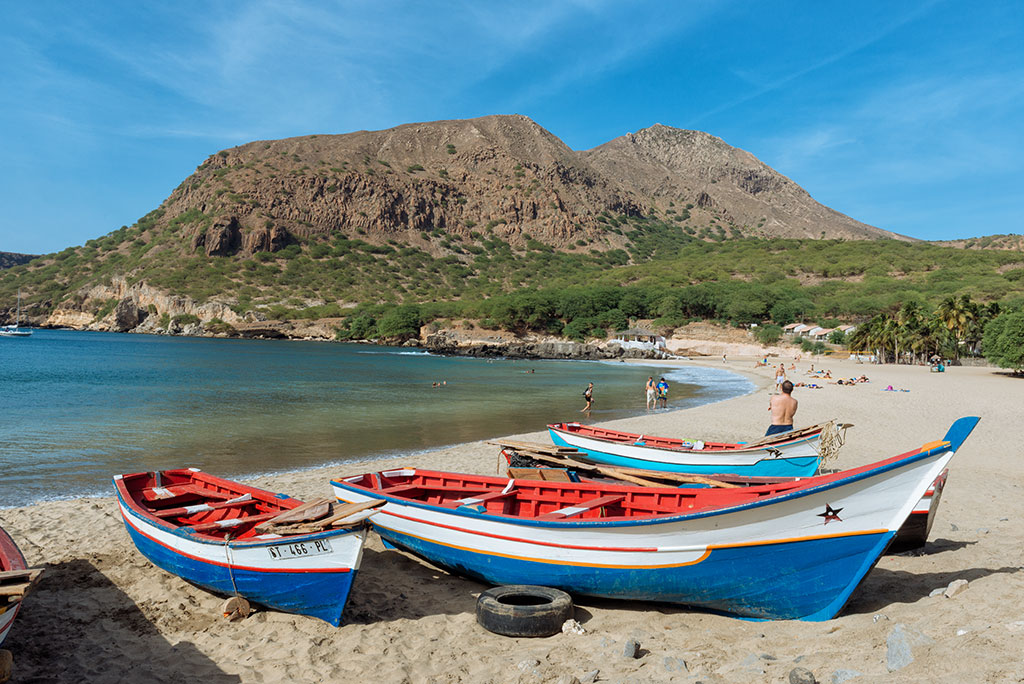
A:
79,407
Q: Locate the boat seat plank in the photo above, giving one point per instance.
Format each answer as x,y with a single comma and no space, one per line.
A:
229,523
401,490
582,507
153,494
544,474
480,498
200,508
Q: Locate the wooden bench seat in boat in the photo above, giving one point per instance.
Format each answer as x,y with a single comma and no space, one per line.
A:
582,507
478,498
154,494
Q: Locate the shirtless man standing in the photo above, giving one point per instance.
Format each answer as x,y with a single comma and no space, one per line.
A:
650,392
783,408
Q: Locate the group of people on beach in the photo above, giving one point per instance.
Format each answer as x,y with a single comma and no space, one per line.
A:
656,392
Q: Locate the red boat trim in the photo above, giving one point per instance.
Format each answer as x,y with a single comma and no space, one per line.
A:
228,565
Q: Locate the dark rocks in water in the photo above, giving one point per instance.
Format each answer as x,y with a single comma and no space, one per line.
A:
128,315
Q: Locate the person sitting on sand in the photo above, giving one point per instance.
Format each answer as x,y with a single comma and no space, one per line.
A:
783,408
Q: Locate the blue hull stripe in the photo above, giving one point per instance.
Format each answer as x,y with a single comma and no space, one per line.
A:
806,580
803,466
317,594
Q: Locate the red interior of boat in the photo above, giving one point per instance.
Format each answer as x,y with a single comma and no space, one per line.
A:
540,499
168,495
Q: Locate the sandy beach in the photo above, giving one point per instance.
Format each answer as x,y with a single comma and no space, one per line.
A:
103,613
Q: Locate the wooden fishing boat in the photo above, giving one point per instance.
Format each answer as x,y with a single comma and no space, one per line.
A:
790,454
560,464
16,578
794,550
237,540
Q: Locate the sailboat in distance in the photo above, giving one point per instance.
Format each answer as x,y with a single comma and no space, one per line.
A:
15,330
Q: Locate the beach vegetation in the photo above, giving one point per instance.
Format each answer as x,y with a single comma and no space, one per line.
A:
768,334
1003,341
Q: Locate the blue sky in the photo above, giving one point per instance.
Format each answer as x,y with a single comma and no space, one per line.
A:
905,115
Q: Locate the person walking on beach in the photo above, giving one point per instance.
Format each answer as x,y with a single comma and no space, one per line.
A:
662,388
783,408
588,394
652,402
780,376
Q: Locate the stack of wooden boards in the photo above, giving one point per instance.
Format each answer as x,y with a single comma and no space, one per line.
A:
315,516
14,584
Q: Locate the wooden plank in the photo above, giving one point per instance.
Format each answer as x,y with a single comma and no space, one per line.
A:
237,522
483,497
340,512
183,510
14,584
174,491
307,512
783,436
534,446
581,507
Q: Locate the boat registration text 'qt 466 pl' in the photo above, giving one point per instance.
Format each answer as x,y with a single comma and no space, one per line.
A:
317,547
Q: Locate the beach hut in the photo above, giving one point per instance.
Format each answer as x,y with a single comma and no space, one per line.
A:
639,338
791,328
821,334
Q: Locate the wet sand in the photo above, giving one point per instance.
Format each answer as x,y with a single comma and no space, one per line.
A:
103,613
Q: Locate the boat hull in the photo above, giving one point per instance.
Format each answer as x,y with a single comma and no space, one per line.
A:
795,459
315,585
794,555
11,558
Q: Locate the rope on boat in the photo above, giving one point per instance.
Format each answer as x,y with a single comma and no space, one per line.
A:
832,438
231,562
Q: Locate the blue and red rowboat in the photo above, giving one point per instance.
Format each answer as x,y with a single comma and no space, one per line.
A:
11,562
211,532
794,550
790,454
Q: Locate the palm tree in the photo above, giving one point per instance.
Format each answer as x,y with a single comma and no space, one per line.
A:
958,315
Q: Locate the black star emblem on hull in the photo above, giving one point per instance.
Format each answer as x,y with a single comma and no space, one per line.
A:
830,514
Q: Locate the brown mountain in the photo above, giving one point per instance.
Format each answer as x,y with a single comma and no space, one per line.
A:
505,173
665,164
